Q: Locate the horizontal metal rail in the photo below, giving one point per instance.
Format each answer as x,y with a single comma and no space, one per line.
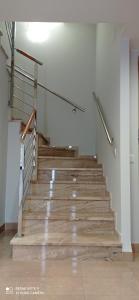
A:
20,110
18,99
67,100
22,91
103,120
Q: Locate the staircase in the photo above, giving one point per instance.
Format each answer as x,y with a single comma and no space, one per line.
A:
64,206
67,211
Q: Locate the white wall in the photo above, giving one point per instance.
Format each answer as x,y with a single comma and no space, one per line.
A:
108,90
5,41
69,68
134,119
3,131
110,80
13,172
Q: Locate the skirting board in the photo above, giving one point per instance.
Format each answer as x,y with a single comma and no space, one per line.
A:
2,228
10,226
135,248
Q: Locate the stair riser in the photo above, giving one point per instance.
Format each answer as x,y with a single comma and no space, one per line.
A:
47,175
56,152
73,190
67,206
75,227
38,194
62,252
57,163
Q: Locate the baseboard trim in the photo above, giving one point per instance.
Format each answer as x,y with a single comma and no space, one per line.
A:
135,248
10,226
124,256
2,228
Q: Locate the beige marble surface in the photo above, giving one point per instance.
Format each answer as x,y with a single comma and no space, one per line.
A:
69,279
70,176
67,190
67,206
56,151
65,239
79,197
92,216
80,227
53,162
70,216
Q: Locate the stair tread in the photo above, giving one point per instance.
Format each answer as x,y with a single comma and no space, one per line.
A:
97,182
65,239
68,158
66,184
88,195
98,216
70,169
79,198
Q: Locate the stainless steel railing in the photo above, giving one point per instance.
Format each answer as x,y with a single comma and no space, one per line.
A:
8,26
103,120
30,78
28,163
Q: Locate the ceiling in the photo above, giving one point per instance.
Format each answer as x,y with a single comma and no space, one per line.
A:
94,11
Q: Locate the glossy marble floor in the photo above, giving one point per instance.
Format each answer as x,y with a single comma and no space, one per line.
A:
67,279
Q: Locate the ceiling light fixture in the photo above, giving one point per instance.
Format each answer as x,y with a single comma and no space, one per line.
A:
39,32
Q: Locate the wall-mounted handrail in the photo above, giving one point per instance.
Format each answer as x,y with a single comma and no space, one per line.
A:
67,100
32,117
62,97
29,56
103,120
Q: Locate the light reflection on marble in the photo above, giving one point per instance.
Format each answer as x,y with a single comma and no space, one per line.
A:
50,193
53,175
48,212
74,194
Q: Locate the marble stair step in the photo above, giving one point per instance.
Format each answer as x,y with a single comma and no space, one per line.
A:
67,162
44,246
53,206
70,176
74,227
73,190
90,216
80,158
57,151
97,197
67,239
70,182
74,194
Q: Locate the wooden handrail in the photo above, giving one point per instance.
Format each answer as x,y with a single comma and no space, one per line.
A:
29,56
32,116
